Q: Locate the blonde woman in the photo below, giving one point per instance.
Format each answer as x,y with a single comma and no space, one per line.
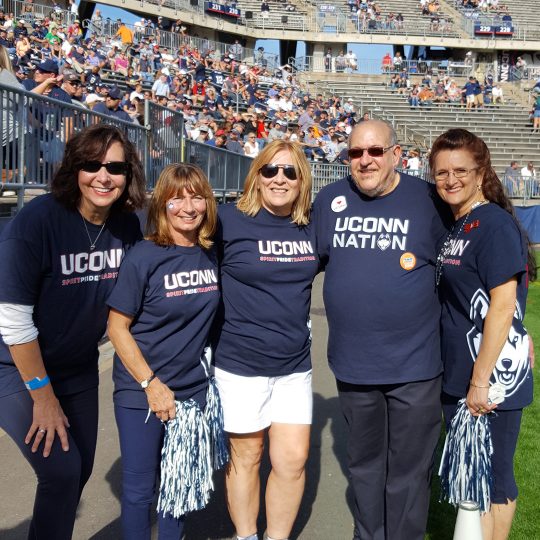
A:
262,356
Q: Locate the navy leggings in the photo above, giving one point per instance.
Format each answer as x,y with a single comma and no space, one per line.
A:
140,446
63,475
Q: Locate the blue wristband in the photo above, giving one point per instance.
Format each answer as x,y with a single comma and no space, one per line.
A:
36,383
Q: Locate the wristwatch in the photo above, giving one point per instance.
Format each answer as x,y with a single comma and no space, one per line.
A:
146,382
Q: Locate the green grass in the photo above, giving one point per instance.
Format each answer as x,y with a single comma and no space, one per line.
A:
527,463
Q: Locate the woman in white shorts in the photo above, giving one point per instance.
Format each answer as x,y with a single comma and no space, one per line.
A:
262,355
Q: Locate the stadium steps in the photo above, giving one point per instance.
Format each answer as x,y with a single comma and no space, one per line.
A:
505,128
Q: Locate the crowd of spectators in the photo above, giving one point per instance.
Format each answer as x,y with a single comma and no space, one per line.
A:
432,9
224,101
497,12
368,16
426,93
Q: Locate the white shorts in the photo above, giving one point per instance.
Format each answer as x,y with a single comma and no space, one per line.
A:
254,403
470,98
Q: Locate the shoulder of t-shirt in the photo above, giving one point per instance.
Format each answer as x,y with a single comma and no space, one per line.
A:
496,218
36,215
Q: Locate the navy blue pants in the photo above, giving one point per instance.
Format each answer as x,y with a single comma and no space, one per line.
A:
393,432
63,475
140,446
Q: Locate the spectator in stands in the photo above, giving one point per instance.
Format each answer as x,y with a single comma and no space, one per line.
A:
528,178
413,161
265,9
398,61
414,100
426,97
341,62
512,178
306,119
497,94
399,21
328,60
351,61
234,144
521,65
251,146
125,35
454,92
440,95
386,64
111,106
470,89
236,50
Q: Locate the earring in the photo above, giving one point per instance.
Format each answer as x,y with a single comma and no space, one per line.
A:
170,206
479,187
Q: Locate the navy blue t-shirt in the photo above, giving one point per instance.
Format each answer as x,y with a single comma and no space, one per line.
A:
379,288
267,266
488,251
172,293
46,261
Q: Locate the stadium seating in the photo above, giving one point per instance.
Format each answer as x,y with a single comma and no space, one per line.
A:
505,128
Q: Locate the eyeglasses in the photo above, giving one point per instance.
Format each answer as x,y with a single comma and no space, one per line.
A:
441,176
373,151
112,167
269,171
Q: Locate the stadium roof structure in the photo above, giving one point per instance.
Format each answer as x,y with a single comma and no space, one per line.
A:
313,26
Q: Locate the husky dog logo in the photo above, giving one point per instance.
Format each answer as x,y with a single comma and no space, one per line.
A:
512,366
383,242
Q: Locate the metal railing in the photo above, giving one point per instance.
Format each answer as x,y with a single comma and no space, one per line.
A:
413,67
31,12
225,170
522,187
35,129
172,41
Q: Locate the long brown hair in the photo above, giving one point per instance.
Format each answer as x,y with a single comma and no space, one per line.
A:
492,188
172,181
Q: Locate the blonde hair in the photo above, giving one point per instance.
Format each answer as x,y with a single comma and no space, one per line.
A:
5,61
172,182
250,202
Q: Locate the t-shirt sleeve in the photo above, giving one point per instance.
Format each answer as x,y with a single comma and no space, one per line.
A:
21,258
20,271
501,256
321,231
128,293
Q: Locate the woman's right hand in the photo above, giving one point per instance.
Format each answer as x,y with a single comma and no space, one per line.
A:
161,400
48,420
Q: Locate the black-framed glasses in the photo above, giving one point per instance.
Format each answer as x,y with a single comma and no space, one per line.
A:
373,151
269,171
112,167
462,172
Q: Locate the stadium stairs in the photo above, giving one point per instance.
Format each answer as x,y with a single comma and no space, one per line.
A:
505,128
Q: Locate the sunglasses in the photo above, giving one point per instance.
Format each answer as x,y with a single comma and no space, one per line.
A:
112,167
373,151
270,171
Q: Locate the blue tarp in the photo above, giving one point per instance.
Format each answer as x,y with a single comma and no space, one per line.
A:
529,216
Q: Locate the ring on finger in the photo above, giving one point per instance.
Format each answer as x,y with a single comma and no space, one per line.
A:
481,410
42,430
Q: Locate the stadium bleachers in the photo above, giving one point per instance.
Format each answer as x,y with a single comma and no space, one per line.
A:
505,128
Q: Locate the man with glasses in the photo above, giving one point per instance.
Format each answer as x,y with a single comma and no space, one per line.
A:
73,87
377,233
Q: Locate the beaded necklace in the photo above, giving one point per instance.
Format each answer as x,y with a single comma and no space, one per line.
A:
446,248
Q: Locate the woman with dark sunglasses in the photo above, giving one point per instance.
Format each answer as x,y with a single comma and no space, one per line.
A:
59,259
262,355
